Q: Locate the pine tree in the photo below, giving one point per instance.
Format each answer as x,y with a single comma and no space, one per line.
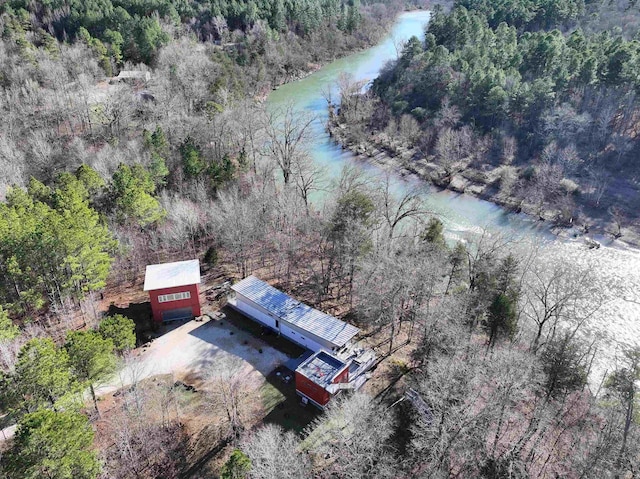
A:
42,374
53,445
434,232
8,330
501,319
91,358
132,189
52,243
237,466
120,330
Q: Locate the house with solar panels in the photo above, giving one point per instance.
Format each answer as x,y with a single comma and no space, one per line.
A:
334,364
302,324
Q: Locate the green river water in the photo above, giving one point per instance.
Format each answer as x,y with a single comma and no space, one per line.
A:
617,322
460,213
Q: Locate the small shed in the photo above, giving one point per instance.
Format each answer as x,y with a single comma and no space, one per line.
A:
174,290
289,317
134,75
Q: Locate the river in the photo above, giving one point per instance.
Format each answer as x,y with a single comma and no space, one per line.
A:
618,268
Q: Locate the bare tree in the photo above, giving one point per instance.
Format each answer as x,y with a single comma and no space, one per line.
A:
249,122
275,454
138,444
600,180
622,384
239,224
396,207
453,147
397,288
509,149
558,294
619,221
220,27
308,177
349,446
288,132
350,97
227,389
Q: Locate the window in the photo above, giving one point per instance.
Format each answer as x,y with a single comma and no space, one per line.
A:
165,298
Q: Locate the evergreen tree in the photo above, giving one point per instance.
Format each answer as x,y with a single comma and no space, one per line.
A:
120,330
8,330
90,179
457,260
354,17
86,241
52,445
132,188
52,244
91,358
565,363
278,19
237,466
502,321
192,160
42,375
622,385
434,232
115,41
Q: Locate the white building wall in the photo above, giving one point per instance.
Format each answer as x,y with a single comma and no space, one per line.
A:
243,306
301,338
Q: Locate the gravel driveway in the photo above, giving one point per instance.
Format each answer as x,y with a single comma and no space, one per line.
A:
201,349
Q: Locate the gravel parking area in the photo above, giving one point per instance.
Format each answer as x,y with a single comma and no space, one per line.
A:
201,349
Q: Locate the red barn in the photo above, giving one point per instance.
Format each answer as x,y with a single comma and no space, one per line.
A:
174,290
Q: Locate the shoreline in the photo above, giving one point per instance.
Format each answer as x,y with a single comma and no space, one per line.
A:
261,96
464,181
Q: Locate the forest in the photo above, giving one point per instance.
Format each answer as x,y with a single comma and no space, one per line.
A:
487,367
531,104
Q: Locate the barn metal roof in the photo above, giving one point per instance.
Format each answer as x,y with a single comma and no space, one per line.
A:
170,275
294,312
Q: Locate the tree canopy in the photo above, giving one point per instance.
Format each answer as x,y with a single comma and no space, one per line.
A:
120,330
56,445
119,30
90,357
53,244
42,375
133,188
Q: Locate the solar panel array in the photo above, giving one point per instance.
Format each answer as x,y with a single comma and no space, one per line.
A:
294,312
321,368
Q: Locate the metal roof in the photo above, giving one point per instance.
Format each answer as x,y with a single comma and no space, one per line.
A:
294,312
170,275
321,368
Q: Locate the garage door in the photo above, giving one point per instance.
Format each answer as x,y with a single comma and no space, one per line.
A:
177,314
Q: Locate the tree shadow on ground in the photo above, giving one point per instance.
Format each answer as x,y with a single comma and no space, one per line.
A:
256,329
285,408
141,315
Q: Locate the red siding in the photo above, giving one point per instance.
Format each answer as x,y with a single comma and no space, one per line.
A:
343,377
158,308
311,390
